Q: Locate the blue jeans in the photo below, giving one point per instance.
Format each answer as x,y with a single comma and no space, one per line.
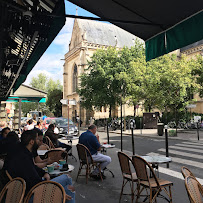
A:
64,180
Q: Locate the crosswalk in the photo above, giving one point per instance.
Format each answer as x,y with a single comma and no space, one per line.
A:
186,153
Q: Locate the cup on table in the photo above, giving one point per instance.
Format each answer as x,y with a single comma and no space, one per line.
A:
50,168
62,161
105,142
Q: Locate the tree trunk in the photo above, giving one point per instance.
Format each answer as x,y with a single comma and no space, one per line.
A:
110,111
176,121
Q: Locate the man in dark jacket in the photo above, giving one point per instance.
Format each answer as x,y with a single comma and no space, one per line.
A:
19,163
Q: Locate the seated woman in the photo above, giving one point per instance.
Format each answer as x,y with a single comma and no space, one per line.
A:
54,138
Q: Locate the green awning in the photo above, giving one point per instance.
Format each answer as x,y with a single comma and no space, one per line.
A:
27,99
181,35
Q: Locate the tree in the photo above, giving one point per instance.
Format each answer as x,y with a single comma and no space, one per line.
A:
106,81
53,89
39,82
53,102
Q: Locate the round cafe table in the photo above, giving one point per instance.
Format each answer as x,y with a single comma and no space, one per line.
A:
156,160
57,172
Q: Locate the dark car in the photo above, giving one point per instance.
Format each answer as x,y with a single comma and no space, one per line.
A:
62,125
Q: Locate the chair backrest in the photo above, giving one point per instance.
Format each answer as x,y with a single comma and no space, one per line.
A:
49,142
46,191
13,191
124,161
194,189
141,167
186,172
56,154
9,176
84,154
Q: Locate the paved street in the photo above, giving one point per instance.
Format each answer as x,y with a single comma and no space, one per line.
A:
183,152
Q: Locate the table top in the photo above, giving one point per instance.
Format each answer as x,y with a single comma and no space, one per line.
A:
41,152
69,137
108,146
58,172
157,159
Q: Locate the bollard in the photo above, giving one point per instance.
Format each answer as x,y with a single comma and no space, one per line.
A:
107,131
133,146
197,130
166,142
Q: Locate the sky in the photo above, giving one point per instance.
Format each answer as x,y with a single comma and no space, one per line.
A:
50,63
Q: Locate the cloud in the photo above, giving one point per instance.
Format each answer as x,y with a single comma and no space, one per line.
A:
50,63
64,37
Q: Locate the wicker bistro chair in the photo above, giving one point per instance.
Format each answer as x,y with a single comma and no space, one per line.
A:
85,159
128,176
49,142
186,172
13,191
194,189
147,180
46,191
56,154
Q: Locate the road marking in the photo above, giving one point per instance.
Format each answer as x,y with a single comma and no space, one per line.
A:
187,149
197,156
191,146
193,143
174,173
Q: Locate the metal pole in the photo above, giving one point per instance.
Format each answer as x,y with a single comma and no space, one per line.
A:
121,128
141,126
107,130
68,116
166,142
133,146
79,119
197,131
19,115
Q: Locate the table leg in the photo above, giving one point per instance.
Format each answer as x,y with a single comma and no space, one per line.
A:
71,154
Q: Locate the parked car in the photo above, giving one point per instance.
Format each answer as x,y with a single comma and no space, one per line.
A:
62,125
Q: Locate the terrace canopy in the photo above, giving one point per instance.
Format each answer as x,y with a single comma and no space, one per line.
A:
163,25
27,28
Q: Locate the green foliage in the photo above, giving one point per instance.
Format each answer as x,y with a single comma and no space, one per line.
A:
172,133
106,81
53,102
166,83
54,94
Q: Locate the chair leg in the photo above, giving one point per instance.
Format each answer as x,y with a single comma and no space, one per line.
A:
170,194
121,191
79,171
87,173
132,192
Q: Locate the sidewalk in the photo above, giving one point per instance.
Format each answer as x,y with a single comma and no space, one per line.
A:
108,190
152,133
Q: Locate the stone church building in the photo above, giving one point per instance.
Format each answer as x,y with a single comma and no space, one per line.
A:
87,37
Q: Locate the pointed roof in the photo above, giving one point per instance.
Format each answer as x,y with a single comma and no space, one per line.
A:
105,34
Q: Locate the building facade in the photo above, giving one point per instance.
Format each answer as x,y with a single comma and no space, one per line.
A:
87,37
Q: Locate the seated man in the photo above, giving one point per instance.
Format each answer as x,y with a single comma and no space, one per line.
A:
19,163
91,140
54,138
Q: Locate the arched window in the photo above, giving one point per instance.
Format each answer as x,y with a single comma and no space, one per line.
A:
75,78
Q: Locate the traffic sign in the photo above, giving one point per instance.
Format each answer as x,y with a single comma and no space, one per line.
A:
71,101
64,101
191,106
